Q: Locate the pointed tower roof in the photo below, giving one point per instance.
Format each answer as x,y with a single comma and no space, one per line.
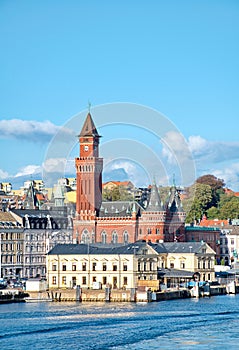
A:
174,202
154,200
31,201
89,128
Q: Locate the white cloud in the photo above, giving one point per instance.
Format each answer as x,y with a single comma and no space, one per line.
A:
3,174
175,148
213,151
230,175
53,165
29,170
30,130
135,172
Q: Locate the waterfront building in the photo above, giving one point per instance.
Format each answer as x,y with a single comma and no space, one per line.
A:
198,257
11,246
43,229
120,221
134,265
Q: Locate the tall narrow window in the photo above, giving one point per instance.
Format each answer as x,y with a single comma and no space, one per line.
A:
126,237
103,237
114,237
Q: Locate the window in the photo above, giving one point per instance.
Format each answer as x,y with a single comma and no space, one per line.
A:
104,280
145,266
53,279
74,267
73,282
64,280
104,267
53,267
85,237
114,282
83,279
63,267
199,264
171,265
94,279
114,237
94,266
182,265
125,267
209,264
114,267
139,269
126,237
84,266
150,266
125,281
103,237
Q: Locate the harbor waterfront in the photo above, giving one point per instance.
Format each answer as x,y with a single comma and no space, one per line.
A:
183,324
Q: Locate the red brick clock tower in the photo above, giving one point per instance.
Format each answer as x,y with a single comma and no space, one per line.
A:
89,171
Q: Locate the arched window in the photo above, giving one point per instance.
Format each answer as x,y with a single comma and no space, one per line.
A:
85,237
114,237
103,237
93,237
126,237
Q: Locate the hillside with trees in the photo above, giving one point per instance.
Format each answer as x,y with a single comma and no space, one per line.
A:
208,196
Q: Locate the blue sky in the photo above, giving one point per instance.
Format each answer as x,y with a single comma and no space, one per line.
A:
179,58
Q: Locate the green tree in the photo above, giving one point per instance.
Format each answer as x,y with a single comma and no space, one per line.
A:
197,201
216,186
118,193
213,213
229,208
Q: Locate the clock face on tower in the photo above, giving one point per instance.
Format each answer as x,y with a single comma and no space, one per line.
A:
86,148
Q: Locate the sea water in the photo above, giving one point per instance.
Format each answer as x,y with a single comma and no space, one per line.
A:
205,323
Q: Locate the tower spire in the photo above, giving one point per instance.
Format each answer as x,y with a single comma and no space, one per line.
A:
89,106
89,170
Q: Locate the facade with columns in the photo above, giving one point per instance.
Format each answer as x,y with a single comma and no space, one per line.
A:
120,221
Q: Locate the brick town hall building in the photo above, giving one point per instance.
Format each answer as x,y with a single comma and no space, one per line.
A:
119,221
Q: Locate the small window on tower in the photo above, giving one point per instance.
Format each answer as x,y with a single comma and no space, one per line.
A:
86,148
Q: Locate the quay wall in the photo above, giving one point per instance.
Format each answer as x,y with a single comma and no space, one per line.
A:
100,295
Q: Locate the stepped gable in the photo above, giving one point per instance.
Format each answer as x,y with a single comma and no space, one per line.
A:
89,128
174,202
154,204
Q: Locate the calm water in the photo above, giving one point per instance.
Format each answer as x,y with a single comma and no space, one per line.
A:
209,323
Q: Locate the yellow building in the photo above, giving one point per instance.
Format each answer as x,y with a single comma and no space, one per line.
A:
128,266
192,256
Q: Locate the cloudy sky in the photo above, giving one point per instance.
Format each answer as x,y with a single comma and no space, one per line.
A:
178,58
